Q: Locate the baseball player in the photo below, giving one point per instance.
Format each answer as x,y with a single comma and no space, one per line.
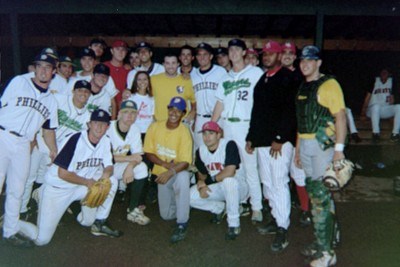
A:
72,117
205,82
168,144
223,59
88,64
288,56
98,46
379,103
145,51
186,59
273,132
251,57
219,179
127,150
134,60
85,158
321,130
59,83
26,106
234,103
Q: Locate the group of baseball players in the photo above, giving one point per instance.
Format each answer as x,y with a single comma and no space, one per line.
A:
211,137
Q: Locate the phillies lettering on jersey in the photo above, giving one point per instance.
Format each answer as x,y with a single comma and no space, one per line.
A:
205,86
89,163
35,104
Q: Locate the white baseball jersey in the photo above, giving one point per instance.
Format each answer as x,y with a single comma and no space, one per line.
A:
145,104
80,156
58,84
191,71
25,109
205,85
154,69
381,93
109,87
235,91
129,145
101,100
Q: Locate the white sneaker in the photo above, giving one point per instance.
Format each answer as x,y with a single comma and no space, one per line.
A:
35,195
325,261
257,216
137,216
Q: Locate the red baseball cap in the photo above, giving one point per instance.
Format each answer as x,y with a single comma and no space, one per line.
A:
272,47
119,43
211,126
251,51
289,46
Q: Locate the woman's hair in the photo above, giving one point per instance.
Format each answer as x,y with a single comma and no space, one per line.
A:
134,88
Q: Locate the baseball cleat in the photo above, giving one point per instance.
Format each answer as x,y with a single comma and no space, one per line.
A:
268,229
232,233
257,216
310,249
19,241
244,210
217,218
280,241
137,216
101,228
179,234
395,138
326,259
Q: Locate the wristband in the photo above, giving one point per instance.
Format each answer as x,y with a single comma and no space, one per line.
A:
214,178
173,171
339,147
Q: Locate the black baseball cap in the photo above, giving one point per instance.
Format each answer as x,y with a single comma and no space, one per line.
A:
98,41
67,60
45,58
144,45
221,51
100,115
50,51
83,84
206,47
87,52
237,42
310,52
101,69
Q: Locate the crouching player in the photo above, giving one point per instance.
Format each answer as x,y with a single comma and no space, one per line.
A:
220,179
85,158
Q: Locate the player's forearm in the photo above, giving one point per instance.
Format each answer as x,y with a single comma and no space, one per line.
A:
192,114
156,160
340,126
107,172
130,158
113,109
365,104
219,107
228,171
72,177
49,137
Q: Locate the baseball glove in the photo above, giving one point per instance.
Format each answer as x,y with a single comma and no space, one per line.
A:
338,174
97,193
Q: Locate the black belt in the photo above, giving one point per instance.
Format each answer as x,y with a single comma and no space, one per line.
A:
204,116
11,132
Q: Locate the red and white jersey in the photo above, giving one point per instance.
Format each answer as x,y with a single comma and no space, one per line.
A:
205,85
235,91
155,69
80,156
381,93
24,109
145,104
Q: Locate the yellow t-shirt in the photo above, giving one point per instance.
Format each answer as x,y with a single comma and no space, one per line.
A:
165,88
169,145
330,95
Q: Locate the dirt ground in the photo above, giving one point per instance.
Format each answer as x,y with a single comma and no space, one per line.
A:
370,237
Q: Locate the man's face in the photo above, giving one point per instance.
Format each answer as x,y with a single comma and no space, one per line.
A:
309,67
119,53
87,63
97,129
223,60
288,57
98,49
44,71
271,59
81,96
100,80
186,57
175,115
127,116
251,59
236,54
144,55
65,69
384,75
171,65
134,59
204,58
211,139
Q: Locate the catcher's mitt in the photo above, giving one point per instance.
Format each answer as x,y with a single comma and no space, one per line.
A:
338,174
97,193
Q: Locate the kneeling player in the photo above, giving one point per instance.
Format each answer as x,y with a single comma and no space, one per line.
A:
220,179
127,150
85,158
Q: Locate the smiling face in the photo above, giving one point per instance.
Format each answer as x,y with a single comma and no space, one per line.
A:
81,96
204,59
186,57
236,54
87,63
119,53
310,68
175,115
171,65
144,55
97,129
127,116
288,58
98,49
271,59
65,69
44,72
211,139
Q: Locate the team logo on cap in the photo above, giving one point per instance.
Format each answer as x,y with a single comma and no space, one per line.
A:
268,45
142,44
288,45
43,57
49,50
179,89
177,100
84,82
101,114
129,104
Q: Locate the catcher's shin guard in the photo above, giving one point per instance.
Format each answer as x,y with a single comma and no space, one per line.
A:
321,210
